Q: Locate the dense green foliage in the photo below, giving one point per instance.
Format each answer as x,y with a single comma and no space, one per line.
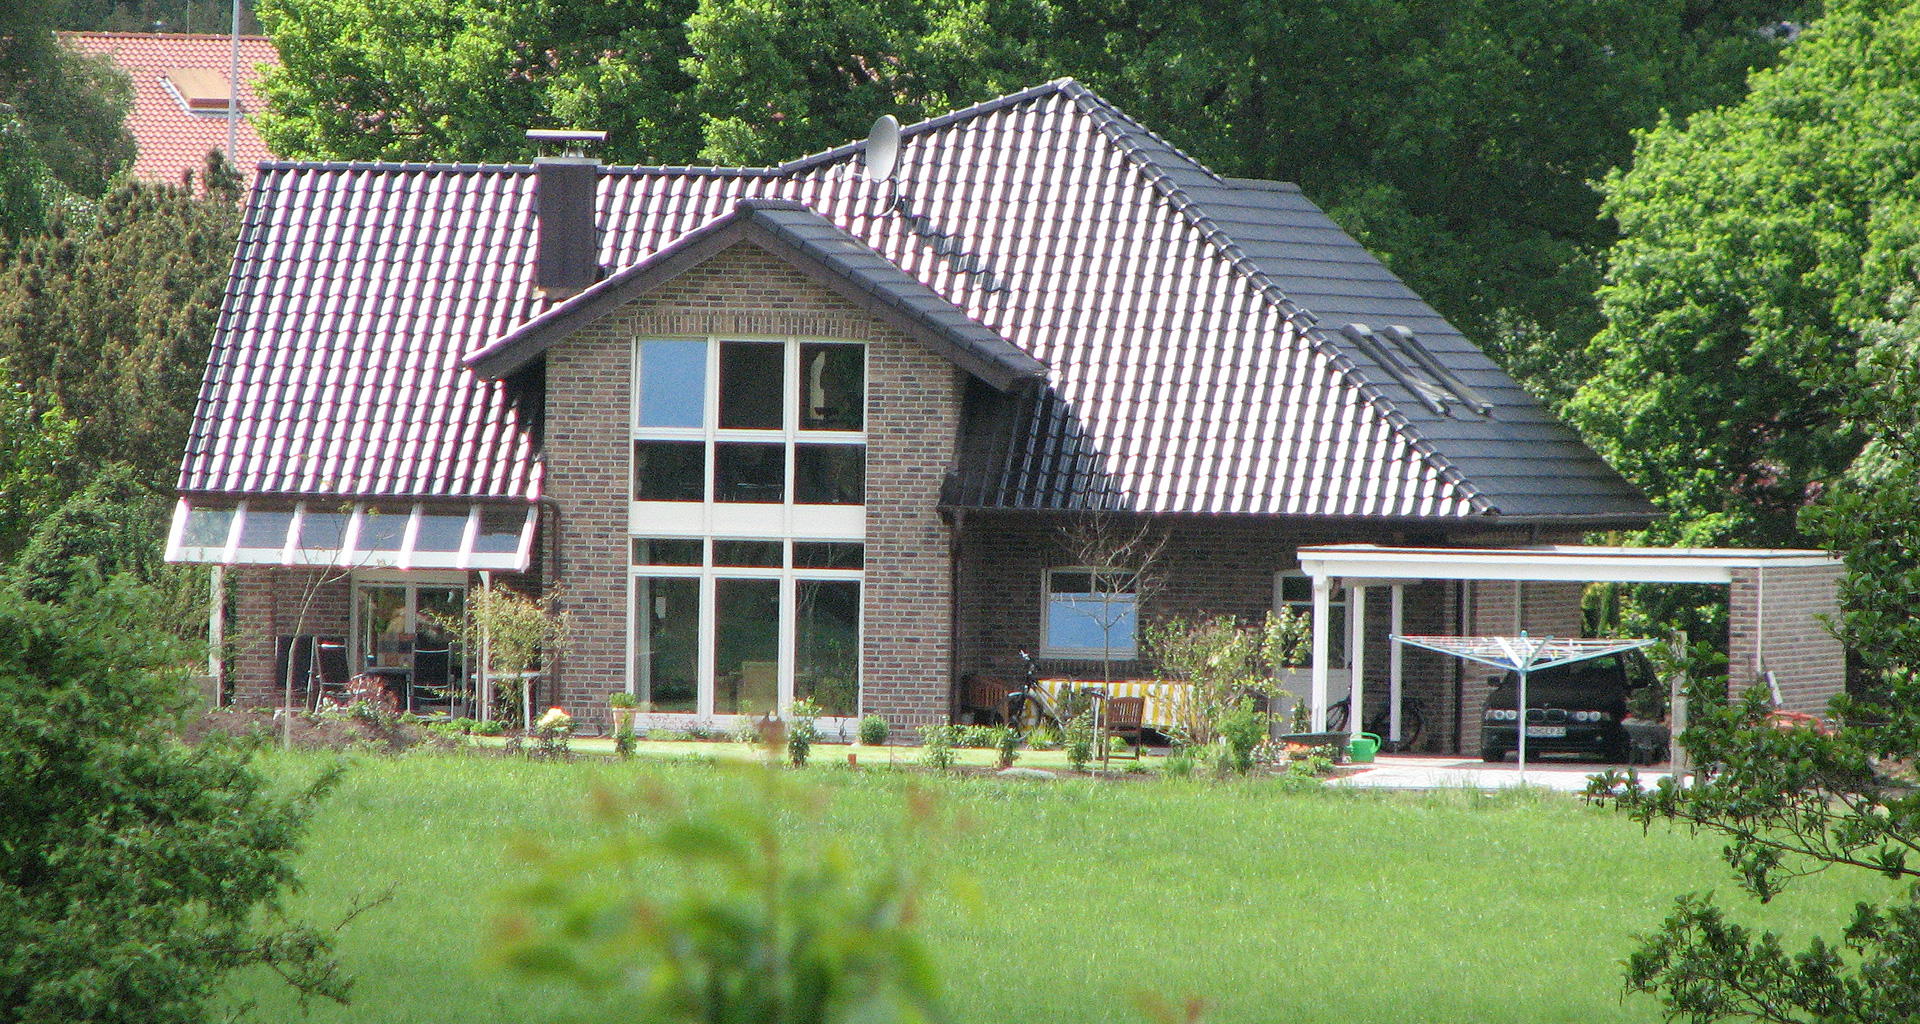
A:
752,927
109,318
135,873
61,118
1758,240
1457,139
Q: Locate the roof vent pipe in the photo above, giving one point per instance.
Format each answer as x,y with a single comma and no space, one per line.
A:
567,248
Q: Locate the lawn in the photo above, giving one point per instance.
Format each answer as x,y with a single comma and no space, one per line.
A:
1269,904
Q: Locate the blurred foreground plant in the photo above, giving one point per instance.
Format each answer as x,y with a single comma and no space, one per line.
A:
709,911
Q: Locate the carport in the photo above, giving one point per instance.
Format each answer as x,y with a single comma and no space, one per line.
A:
1779,604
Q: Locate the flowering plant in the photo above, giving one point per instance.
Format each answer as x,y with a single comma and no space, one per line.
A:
555,720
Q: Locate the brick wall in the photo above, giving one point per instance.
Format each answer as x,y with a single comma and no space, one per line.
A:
912,427
266,603
1784,613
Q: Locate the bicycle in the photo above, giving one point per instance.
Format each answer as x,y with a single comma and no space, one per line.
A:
1413,721
1029,707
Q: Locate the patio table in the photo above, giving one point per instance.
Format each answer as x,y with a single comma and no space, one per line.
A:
1164,698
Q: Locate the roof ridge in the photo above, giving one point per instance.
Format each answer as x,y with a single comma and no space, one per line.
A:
1105,115
844,150
221,36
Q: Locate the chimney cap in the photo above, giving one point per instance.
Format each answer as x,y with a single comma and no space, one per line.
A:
573,143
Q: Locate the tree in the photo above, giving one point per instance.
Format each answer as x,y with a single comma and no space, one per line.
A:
463,80
110,319
1871,516
135,873
61,118
35,450
1757,241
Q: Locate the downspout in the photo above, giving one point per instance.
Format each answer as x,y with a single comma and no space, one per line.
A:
953,615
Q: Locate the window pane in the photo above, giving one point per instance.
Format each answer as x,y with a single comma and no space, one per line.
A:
438,665
673,383
833,378
206,527
266,527
384,640
829,474
655,551
383,529
1071,582
1092,624
666,644
746,644
749,472
669,470
826,634
752,385
440,532
760,553
323,531
500,527
827,555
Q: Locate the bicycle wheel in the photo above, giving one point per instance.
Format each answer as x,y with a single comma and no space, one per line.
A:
1412,722
1337,716
1025,714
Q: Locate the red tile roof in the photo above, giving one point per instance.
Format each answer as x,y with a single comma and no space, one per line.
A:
170,139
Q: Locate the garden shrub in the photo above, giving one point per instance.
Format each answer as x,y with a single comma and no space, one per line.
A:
873,731
1006,743
938,741
1079,740
802,730
135,872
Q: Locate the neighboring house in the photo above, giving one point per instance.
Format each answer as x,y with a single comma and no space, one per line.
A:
794,431
180,97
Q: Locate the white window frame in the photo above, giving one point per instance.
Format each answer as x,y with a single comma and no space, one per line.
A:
1112,651
709,520
1337,628
348,554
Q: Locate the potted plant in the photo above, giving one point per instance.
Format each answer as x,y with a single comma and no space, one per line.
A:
623,706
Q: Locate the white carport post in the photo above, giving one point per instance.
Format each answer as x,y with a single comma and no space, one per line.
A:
1322,588
1356,657
1394,680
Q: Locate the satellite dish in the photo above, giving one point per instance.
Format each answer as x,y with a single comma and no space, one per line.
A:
883,148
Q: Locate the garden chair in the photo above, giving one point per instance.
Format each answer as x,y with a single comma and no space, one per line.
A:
1125,719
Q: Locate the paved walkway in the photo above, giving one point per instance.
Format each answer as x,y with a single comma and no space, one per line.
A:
1410,772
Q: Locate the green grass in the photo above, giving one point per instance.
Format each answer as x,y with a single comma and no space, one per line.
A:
1270,905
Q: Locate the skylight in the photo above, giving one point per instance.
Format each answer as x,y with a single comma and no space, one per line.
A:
1401,355
199,90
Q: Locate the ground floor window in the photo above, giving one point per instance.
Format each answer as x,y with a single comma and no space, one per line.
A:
743,627
1090,613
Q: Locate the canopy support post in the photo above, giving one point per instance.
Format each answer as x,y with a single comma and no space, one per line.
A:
1356,659
1321,592
1395,679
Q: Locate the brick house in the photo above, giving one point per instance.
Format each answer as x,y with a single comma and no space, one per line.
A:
819,430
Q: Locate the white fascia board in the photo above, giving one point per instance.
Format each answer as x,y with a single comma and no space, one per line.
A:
1567,563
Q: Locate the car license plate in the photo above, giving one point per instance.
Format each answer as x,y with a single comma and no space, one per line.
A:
1546,732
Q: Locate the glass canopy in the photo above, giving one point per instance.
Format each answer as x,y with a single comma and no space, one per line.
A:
352,535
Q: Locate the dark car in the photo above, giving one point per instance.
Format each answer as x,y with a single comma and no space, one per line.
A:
1573,709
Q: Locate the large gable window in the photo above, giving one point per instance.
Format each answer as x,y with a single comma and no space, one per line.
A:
750,422
749,490
1090,613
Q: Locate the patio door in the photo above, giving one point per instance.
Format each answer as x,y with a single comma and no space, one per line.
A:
730,642
401,632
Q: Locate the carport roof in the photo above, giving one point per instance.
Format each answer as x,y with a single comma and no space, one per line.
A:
1567,562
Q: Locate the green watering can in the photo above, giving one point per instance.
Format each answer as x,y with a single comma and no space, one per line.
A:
1362,748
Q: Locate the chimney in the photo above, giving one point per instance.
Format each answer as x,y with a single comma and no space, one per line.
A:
565,259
